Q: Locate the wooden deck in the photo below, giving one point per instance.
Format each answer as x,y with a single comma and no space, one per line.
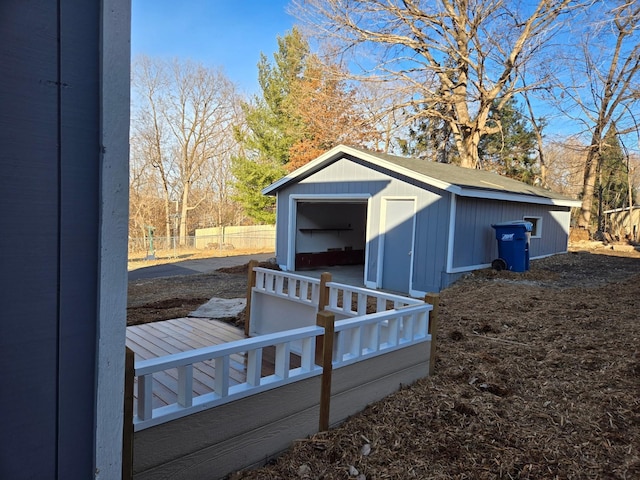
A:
152,340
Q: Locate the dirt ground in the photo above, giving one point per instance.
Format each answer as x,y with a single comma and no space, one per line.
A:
537,376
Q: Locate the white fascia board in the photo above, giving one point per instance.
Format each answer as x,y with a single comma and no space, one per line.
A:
516,197
342,150
313,165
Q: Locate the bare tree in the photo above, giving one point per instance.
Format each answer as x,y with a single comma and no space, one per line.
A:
604,85
455,58
599,87
148,130
183,119
565,159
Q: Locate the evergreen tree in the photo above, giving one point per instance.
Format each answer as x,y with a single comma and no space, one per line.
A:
510,151
612,179
304,110
271,128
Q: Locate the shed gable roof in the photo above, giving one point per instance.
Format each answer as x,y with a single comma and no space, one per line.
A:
465,182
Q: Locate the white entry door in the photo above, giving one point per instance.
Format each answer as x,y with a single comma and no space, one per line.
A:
397,239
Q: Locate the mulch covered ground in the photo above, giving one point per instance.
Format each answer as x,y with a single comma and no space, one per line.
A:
537,377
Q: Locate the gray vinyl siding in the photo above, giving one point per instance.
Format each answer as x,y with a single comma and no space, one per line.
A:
430,250
347,177
50,157
475,242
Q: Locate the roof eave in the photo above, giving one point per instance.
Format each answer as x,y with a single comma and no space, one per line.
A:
341,150
518,197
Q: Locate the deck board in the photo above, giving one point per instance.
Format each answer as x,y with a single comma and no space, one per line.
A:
152,340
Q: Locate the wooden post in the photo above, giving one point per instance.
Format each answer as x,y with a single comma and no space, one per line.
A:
323,300
251,282
127,431
327,321
433,299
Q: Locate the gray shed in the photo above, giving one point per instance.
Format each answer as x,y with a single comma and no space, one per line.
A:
416,226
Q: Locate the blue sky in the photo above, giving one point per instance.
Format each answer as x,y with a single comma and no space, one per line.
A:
218,33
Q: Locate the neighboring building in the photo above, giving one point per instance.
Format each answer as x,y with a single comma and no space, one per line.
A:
416,226
64,132
624,223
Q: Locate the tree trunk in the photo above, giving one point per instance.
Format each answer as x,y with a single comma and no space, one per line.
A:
167,217
183,214
468,150
588,186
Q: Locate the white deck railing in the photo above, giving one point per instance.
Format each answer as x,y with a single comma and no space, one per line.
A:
293,287
186,403
357,337
377,333
343,298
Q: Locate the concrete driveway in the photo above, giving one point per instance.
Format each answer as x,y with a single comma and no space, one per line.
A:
192,267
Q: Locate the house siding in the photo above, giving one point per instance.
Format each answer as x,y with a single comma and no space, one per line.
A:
57,217
475,241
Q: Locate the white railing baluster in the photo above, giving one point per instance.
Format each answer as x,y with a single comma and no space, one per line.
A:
304,290
260,280
145,396
254,366
308,359
371,338
333,298
362,304
355,347
221,380
407,327
292,287
279,285
283,360
424,322
394,331
347,298
185,385
338,346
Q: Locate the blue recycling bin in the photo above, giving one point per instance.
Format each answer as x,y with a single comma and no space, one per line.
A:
513,245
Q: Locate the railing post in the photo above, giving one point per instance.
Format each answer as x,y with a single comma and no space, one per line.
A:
127,431
433,299
323,299
251,282
327,321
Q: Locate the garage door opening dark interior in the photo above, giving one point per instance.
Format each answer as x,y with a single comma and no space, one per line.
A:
330,233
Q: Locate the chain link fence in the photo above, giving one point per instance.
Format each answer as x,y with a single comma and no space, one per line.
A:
216,238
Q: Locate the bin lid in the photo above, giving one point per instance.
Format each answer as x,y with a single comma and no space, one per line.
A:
528,226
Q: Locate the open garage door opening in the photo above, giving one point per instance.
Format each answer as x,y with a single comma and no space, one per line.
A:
330,233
